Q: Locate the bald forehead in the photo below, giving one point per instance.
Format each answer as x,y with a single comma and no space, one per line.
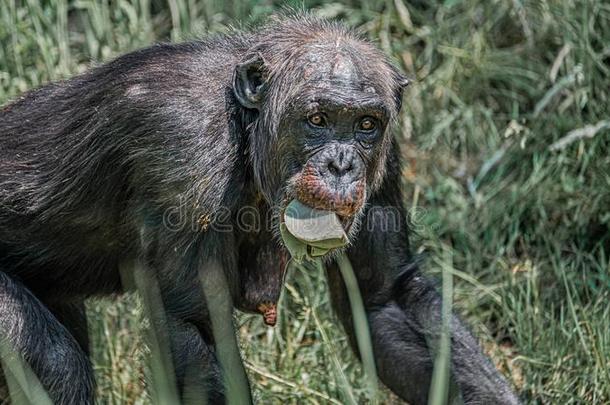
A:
343,68
334,79
323,62
325,67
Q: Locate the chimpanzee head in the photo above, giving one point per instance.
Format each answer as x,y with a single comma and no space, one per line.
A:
323,100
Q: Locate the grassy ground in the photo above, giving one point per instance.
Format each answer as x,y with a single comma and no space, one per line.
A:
521,219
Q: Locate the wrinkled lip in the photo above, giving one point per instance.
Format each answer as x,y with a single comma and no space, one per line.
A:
344,199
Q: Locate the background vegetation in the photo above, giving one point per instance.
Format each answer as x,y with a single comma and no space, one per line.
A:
506,135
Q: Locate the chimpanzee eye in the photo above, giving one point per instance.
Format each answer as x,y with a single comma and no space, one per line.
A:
317,120
367,124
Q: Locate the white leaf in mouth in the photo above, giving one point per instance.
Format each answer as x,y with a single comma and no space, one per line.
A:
311,225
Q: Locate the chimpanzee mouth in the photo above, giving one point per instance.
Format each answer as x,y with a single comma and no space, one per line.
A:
344,199
308,232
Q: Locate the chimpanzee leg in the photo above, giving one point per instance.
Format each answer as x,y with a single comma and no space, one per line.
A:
28,328
196,296
198,336
179,323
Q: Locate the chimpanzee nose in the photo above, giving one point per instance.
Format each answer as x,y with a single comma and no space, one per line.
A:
340,165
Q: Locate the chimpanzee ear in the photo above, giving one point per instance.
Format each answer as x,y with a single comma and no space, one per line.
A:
401,81
250,82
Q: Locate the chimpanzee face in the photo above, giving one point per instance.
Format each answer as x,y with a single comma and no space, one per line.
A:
333,137
321,134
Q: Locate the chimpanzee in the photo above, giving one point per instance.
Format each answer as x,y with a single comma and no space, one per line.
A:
94,169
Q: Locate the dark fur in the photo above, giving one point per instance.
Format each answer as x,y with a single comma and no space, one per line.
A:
90,167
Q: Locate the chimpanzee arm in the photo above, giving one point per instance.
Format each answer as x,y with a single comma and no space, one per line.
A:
195,286
404,312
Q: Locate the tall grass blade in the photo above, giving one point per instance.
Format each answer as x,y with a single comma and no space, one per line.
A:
163,383
361,324
220,307
23,386
439,389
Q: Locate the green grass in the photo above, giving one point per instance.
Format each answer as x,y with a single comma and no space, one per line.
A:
523,228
